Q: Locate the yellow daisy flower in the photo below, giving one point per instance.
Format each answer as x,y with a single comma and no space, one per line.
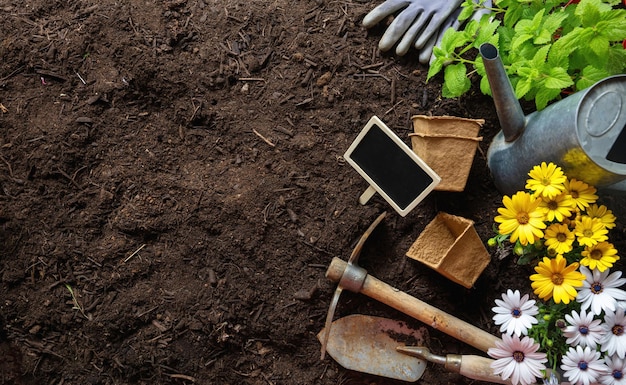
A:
600,256
559,238
590,231
546,180
559,207
601,212
555,279
521,218
582,193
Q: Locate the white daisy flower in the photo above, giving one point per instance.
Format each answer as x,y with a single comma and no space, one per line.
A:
515,314
600,290
517,359
583,366
616,373
582,330
614,339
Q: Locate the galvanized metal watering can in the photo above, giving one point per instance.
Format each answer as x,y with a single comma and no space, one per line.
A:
584,133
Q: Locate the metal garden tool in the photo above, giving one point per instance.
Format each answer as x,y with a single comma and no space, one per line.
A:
584,133
470,366
389,348
368,344
354,278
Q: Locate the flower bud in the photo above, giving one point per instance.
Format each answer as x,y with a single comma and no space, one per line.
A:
492,242
518,249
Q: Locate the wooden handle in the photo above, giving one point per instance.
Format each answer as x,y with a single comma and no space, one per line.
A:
479,368
430,315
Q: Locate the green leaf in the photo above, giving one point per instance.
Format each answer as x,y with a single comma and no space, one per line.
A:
600,45
479,65
517,66
580,58
525,259
520,39
542,37
558,78
544,96
438,52
525,51
524,26
467,10
536,21
616,61
574,38
522,87
471,29
585,55
539,60
512,16
589,12
506,35
495,40
589,76
613,25
455,79
528,72
452,40
435,67
572,21
554,21
558,57
484,86
486,31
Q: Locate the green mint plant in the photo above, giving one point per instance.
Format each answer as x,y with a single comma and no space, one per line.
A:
548,47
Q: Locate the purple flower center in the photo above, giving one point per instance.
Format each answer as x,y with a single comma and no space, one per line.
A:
596,288
584,330
582,365
618,330
518,356
617,374
516,313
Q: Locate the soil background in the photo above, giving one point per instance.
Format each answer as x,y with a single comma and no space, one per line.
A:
173,190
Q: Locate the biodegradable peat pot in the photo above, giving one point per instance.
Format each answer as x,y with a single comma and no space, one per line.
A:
447,144
450,245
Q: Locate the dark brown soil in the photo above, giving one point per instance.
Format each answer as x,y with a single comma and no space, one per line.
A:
177,167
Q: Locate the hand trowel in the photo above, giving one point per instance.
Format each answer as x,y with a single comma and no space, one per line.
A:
368,344
392,349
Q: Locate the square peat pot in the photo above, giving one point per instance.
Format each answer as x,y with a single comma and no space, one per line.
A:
448,145
450,245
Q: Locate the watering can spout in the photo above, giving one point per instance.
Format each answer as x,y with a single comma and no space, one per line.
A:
510,114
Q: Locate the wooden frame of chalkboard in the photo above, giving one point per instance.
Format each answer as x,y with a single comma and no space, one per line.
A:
390,167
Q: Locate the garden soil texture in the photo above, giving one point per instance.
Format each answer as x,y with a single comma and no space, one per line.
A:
172,191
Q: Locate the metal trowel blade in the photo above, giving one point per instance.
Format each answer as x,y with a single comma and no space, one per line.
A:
368,344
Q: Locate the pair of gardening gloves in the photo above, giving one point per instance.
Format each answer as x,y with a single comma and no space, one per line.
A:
420,23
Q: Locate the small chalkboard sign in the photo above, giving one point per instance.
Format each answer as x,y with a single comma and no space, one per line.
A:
390,167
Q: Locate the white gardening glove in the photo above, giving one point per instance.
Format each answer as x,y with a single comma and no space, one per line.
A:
417,22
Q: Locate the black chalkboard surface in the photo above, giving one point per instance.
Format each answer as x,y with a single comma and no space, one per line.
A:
391,167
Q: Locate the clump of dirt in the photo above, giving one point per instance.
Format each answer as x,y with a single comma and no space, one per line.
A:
173,190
